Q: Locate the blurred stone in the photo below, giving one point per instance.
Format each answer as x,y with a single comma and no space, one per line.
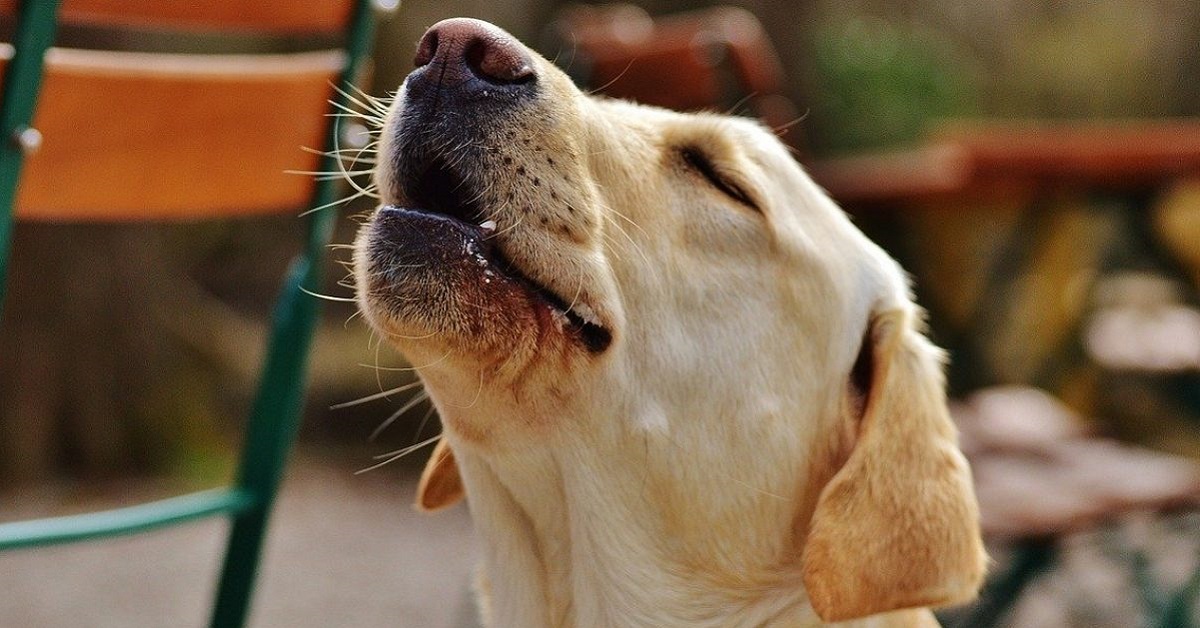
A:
1141,324
1038,472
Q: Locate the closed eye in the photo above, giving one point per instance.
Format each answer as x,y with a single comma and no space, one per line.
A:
700,162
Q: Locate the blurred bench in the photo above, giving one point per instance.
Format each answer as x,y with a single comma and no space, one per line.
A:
718,58
971,159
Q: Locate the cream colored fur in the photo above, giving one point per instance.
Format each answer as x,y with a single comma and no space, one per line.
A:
717,465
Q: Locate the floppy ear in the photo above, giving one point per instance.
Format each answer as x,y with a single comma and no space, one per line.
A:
440,486
898,525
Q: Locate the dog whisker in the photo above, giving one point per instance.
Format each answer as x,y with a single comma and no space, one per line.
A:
478,392
374,103
516,224
403,369
345,173
341,201
614,79
398,454
424,420
352,98
395,336
327,175
786,126
350,112
637,248
335,153
372,397
327,297
578,291
410,404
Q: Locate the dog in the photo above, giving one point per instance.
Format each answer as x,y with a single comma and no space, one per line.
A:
678,386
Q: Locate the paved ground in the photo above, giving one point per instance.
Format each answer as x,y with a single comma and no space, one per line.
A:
348,551
345,551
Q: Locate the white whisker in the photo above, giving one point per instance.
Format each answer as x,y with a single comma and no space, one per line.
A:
424,420
341,201
327,297
349,179
478,392
417,398
399,453
373,397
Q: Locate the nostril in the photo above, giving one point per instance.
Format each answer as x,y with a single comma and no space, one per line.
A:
471,51
498,61
426,48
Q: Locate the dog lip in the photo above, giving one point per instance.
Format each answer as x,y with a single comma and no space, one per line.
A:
580,319
577,318
441,189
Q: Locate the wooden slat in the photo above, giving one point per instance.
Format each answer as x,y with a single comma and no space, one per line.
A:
680,62
131,136
1106,153
265,16
889,177
1006,158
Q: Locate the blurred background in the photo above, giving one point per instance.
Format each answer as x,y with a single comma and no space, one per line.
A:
1069,306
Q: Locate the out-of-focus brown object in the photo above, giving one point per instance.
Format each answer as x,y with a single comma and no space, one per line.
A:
1142,323
107,117
718,58
1005,158
274,16
90,382
160,123
1038,471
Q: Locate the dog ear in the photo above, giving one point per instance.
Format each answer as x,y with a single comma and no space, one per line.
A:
440,486
898,525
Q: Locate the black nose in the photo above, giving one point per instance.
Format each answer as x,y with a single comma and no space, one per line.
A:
462,51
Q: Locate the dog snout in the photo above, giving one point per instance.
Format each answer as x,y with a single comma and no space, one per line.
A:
472,54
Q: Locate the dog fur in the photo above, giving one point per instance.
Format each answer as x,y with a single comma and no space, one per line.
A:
763,442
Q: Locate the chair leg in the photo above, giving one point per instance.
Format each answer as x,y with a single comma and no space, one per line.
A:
35,28
269,436
277,408
240,569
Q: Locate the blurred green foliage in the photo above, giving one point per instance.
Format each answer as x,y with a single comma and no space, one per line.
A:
879,84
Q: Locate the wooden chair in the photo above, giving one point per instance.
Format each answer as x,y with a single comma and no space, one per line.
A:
988,158
127,136
716,58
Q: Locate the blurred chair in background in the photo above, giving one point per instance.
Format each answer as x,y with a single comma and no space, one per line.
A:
107,136
718,58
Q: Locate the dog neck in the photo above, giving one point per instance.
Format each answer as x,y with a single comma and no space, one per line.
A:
564,547
574,536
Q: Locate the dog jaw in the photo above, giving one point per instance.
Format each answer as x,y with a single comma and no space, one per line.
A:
513,306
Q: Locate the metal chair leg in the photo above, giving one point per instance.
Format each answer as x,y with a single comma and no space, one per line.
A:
36,26
270,433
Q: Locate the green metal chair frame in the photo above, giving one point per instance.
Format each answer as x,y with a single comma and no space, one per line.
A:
278,402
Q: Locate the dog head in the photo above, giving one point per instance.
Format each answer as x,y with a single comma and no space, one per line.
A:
571,271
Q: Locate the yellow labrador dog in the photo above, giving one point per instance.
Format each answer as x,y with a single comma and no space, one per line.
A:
679,388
